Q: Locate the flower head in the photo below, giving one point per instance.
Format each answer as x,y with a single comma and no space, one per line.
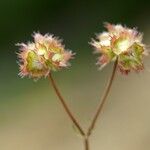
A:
120,43
44,55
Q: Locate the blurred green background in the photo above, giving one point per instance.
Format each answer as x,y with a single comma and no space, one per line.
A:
31,117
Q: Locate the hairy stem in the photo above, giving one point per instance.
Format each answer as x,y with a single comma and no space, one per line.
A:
103,100
65,106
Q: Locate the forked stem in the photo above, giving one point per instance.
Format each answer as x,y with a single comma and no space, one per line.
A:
84,134
65,106
103,99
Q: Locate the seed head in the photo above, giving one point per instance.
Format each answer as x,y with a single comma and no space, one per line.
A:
45,54
122,43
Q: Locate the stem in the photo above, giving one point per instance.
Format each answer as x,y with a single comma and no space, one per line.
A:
103,100
66,108
86,143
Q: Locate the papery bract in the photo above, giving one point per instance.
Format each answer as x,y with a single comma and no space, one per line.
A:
120,43
44,55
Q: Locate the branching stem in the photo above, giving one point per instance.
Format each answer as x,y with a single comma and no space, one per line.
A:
103,100
65,106
85,135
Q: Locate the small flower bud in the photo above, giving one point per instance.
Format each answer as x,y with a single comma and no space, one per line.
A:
122,43
44,55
